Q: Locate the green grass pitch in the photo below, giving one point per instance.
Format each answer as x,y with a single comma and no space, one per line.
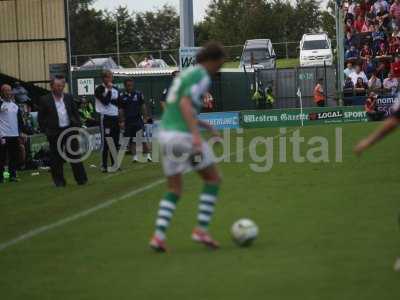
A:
327,231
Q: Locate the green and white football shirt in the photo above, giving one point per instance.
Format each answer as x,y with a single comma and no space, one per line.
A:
194,82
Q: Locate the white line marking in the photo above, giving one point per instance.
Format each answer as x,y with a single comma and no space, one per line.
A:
85,213
90,211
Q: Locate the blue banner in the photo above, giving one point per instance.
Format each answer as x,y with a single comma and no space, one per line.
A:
222,120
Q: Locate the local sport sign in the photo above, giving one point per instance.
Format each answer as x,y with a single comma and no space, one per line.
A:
187,56
310,116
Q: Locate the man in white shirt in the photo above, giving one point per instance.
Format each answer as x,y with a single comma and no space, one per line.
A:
58,116
107,101
391,83
358,73
11,125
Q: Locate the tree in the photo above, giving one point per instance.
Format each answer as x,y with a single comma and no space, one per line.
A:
235,21
328,19
159,29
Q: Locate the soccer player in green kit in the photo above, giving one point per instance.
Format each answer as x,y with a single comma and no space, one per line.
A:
183,147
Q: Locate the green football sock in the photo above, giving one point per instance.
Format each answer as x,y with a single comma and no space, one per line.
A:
208,199
165,214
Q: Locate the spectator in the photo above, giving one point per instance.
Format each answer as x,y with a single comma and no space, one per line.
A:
396,32
349,69
378,37
348,89
348,41
382,52
368,67
381,71
395,67
380,6
270,98
395,13
366,51
319,94
147,63
374,83
393,46
11,127
351,8
349,26
390,84
358,73
352,53
208,102
20,93
359,23
365,7
86,111
371,108
360,87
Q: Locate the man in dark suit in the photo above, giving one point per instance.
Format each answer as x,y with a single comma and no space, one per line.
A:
58,116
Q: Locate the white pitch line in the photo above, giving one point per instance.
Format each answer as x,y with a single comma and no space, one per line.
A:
85,213
35,232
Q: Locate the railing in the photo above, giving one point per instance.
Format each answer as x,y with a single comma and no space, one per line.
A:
283,50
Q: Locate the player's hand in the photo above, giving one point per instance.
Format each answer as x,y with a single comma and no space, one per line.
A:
361,147
197,143
122,125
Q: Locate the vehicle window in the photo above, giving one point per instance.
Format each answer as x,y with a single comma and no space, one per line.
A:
259,55
313,45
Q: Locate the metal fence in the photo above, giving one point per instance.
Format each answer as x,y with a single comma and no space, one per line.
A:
286,82
171,56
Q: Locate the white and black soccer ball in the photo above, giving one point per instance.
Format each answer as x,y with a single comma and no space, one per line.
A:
244,232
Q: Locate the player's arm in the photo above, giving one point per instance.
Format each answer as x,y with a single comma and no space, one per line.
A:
191,121
388,126
121,112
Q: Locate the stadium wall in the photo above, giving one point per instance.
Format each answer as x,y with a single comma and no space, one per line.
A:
33,36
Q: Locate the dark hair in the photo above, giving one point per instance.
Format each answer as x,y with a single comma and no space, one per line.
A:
128,80
212,51
56,77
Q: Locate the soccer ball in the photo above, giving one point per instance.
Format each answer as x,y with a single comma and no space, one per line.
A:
244,232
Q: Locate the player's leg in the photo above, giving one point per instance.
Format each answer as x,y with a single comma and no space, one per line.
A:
147,144
166,211
130,133
105,132
208,198
147,151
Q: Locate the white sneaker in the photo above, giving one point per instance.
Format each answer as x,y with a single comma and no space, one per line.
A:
149,158
135,159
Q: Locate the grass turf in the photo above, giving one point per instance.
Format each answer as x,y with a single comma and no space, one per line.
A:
281,63
327,231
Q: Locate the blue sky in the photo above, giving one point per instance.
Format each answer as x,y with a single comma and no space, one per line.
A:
143,5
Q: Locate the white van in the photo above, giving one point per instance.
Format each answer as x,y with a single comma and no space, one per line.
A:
315,50
258,54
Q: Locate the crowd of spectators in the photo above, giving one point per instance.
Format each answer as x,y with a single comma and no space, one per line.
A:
372,47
